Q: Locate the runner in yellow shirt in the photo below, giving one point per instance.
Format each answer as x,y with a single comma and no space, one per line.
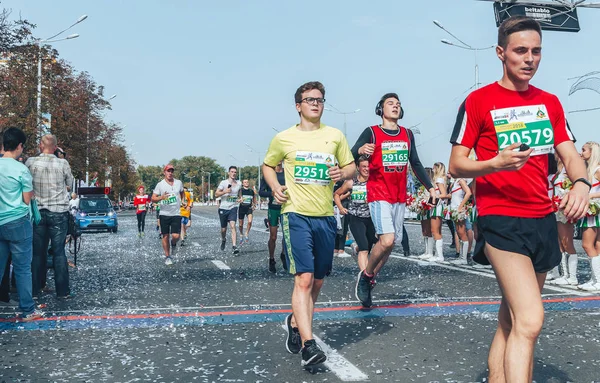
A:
186,211
315,156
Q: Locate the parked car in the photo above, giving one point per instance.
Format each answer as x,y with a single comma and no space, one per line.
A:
96,212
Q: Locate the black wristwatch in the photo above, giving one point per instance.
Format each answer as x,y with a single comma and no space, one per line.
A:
584,180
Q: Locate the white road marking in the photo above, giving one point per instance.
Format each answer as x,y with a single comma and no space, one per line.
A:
336,363
196,244
221,265
486,273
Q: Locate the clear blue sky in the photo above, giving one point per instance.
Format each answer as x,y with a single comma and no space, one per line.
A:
206,77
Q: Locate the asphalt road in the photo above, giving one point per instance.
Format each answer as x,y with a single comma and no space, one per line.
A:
215,317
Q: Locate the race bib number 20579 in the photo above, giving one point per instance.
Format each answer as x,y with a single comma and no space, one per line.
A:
312,168
528,125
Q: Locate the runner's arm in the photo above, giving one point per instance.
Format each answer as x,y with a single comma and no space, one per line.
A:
346,186
157,198
467,190
365,138
416,164
264,191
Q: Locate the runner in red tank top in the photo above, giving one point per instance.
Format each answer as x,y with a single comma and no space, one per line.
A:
391,149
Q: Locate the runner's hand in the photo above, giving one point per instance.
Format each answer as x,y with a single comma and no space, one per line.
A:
343,211
510,160
576,202
279,195
367,149
335,173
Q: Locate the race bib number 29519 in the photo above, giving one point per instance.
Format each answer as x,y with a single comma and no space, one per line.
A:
528,125
312,168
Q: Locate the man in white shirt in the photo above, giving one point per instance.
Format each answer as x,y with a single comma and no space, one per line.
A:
169,193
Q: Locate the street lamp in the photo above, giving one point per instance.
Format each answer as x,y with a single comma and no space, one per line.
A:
39,86
463,46
202,172
337,111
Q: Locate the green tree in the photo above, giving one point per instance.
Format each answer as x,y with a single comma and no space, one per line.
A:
149,176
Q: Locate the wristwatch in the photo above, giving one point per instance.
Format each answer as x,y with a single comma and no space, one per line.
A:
584,180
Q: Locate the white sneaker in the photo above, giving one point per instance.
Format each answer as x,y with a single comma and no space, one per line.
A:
572,281
561,281
479,266
343,255
437,258
589,286
459,262
168,261
425,257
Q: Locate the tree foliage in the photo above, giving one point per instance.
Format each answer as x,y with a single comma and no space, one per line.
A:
75,102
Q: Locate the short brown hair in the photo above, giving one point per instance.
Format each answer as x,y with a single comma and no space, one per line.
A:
306,87
516,24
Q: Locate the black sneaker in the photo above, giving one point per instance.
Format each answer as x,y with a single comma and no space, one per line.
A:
236,251
182,242
283,261
363,289
293,343
223,245
312,354
272,265
267,223
453,245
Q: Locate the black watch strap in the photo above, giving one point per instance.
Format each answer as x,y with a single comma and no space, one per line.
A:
583,180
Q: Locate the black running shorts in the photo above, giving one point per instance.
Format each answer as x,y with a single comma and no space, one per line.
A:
170,224
536,238
244,211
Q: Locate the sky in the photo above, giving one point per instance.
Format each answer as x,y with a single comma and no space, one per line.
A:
208,78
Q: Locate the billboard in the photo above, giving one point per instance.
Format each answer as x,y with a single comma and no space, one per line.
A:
550,17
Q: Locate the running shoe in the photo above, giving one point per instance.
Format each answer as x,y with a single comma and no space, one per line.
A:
293,343
363,289
589,286
241,241
143,234
246,240
560,281
173,250
459,261
32,316
168,261
343,255
425,257
266,222
140,234
223,245
312,354
272,267
236,251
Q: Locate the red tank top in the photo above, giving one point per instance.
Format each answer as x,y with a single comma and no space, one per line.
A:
388,166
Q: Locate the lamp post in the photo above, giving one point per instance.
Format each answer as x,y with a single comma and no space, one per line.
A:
202,172
39,43
250,149
336,111
463,45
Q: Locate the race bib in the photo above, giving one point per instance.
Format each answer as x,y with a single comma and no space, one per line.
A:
359,194
247,199
171,200
232,199
394,153
529,125
310,168
142,207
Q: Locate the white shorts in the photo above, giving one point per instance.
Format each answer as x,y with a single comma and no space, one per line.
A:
388,218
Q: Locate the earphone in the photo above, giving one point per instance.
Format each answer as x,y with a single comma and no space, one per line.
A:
379,107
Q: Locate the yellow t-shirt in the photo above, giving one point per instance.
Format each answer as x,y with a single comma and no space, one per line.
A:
184,202
305,158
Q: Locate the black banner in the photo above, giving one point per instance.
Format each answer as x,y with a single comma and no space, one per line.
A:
550,17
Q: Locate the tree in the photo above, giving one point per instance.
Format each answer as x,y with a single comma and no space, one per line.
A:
149,176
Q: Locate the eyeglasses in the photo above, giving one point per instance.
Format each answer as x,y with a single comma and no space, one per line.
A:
313,100
170,170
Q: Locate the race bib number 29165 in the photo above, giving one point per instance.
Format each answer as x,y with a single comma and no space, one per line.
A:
528,125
